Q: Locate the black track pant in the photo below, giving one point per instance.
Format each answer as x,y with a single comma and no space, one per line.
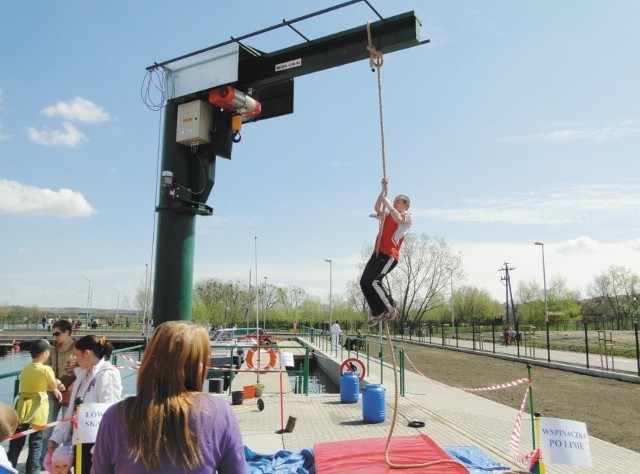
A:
378,299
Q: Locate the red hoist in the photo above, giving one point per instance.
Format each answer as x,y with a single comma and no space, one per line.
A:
236,101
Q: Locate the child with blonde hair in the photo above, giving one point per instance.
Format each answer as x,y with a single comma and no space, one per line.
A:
8,425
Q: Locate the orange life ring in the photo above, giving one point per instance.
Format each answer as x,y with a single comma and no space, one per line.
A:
272,359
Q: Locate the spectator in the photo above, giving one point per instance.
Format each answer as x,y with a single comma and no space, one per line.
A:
97,381
170,426
506,335
63,362
61,461
33,404
335,334
8,425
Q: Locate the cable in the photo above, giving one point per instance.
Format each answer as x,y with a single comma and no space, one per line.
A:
153,83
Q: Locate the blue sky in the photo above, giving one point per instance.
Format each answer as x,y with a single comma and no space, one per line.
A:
519,122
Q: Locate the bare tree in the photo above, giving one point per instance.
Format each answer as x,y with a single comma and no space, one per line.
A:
209,295
424,271
290,296
531,298
143,299
562,303
618,287
472,304
355,298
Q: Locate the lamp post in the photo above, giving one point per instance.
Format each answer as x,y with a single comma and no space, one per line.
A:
88,303
544,286
453,317
145,304
330,289
264,324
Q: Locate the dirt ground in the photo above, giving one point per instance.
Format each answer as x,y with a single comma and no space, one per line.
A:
611,409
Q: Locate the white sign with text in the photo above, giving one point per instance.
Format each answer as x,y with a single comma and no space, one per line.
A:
286,359
564,442
89,416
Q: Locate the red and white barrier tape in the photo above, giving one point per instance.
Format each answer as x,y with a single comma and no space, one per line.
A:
513,383
514,443
137,363
41,428
130,359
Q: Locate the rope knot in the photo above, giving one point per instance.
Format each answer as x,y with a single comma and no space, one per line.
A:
376,59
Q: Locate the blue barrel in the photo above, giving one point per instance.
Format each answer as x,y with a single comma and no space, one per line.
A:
349,387
373,404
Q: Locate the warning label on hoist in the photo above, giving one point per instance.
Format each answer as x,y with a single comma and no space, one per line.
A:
289,64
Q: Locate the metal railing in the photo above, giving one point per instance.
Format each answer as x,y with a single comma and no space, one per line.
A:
375,354
114,360
528,338
301,374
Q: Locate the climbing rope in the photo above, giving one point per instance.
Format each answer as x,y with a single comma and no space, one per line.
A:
395,416
376,60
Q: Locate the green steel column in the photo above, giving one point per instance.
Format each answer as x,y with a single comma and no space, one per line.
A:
175,233
173,281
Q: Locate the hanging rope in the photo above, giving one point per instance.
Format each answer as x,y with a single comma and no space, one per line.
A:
376,60
395,416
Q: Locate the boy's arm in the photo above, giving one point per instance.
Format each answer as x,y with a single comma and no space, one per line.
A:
379,205
53,384
399,217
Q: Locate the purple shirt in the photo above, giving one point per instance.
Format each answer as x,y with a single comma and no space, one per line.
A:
220,441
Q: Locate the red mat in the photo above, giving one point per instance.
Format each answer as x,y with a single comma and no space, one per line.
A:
367,455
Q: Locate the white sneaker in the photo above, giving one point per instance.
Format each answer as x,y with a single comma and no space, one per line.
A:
387,315
375,319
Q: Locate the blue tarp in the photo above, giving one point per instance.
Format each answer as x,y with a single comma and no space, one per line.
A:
474,459
285,462
302,462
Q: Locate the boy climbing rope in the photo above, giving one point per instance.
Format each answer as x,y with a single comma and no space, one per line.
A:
395,221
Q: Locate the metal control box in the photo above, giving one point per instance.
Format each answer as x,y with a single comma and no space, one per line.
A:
194,123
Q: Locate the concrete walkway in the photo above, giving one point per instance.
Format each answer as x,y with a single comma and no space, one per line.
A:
452,418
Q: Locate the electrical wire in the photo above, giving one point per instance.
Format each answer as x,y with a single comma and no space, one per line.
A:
153,89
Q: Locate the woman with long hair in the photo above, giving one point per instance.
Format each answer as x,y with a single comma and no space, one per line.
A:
171,426
97,381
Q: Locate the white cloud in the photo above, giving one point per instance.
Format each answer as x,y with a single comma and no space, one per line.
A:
613,132
581,243
558,205
70,137
3,135
20,199
78,110
578,261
